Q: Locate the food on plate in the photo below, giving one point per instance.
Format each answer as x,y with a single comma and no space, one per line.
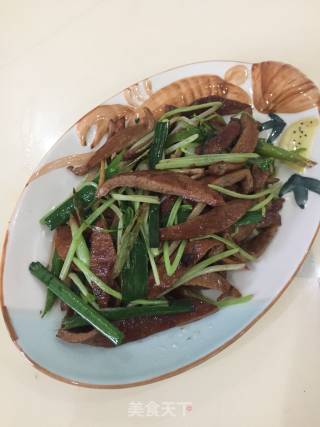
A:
173,201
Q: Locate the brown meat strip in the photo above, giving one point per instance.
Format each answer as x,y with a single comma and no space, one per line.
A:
221,168
164,182
260,178
243,175
229,106
249,135
197,249
139,327
272,216
243,232
122,139
257,245
103,257
225,138
217,220
62,240
212,281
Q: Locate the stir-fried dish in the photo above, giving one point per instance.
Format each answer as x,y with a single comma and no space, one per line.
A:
169,206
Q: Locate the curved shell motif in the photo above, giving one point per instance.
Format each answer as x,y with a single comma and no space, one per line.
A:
101,117
282,88
184,91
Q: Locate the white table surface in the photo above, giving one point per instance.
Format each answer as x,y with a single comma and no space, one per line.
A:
58,59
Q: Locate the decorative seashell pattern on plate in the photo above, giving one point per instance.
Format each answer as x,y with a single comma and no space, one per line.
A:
282,88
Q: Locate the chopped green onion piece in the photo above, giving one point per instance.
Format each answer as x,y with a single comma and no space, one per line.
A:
136,198
183,134
88,296
156,149
182,144
114,166
159,301
134,274
269,150
250,218
73,301
226,302
171,113
121,313
128,238
60,214
171,268
263,203
92,278
151,256
141,142
119,214
76,239
203,160
82,250
220,267
56,265
240,195
154,226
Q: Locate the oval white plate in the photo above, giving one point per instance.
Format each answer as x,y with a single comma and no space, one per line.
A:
168,352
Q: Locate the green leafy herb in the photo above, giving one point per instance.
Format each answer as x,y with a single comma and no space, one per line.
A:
250,218
134,274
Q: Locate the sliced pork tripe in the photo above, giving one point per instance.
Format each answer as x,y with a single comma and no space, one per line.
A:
221,168
225,138
258,244
139,327
62,240
229,106
217,282
102,260
197,249
166,183
217,220
249,136
243,175
121,140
